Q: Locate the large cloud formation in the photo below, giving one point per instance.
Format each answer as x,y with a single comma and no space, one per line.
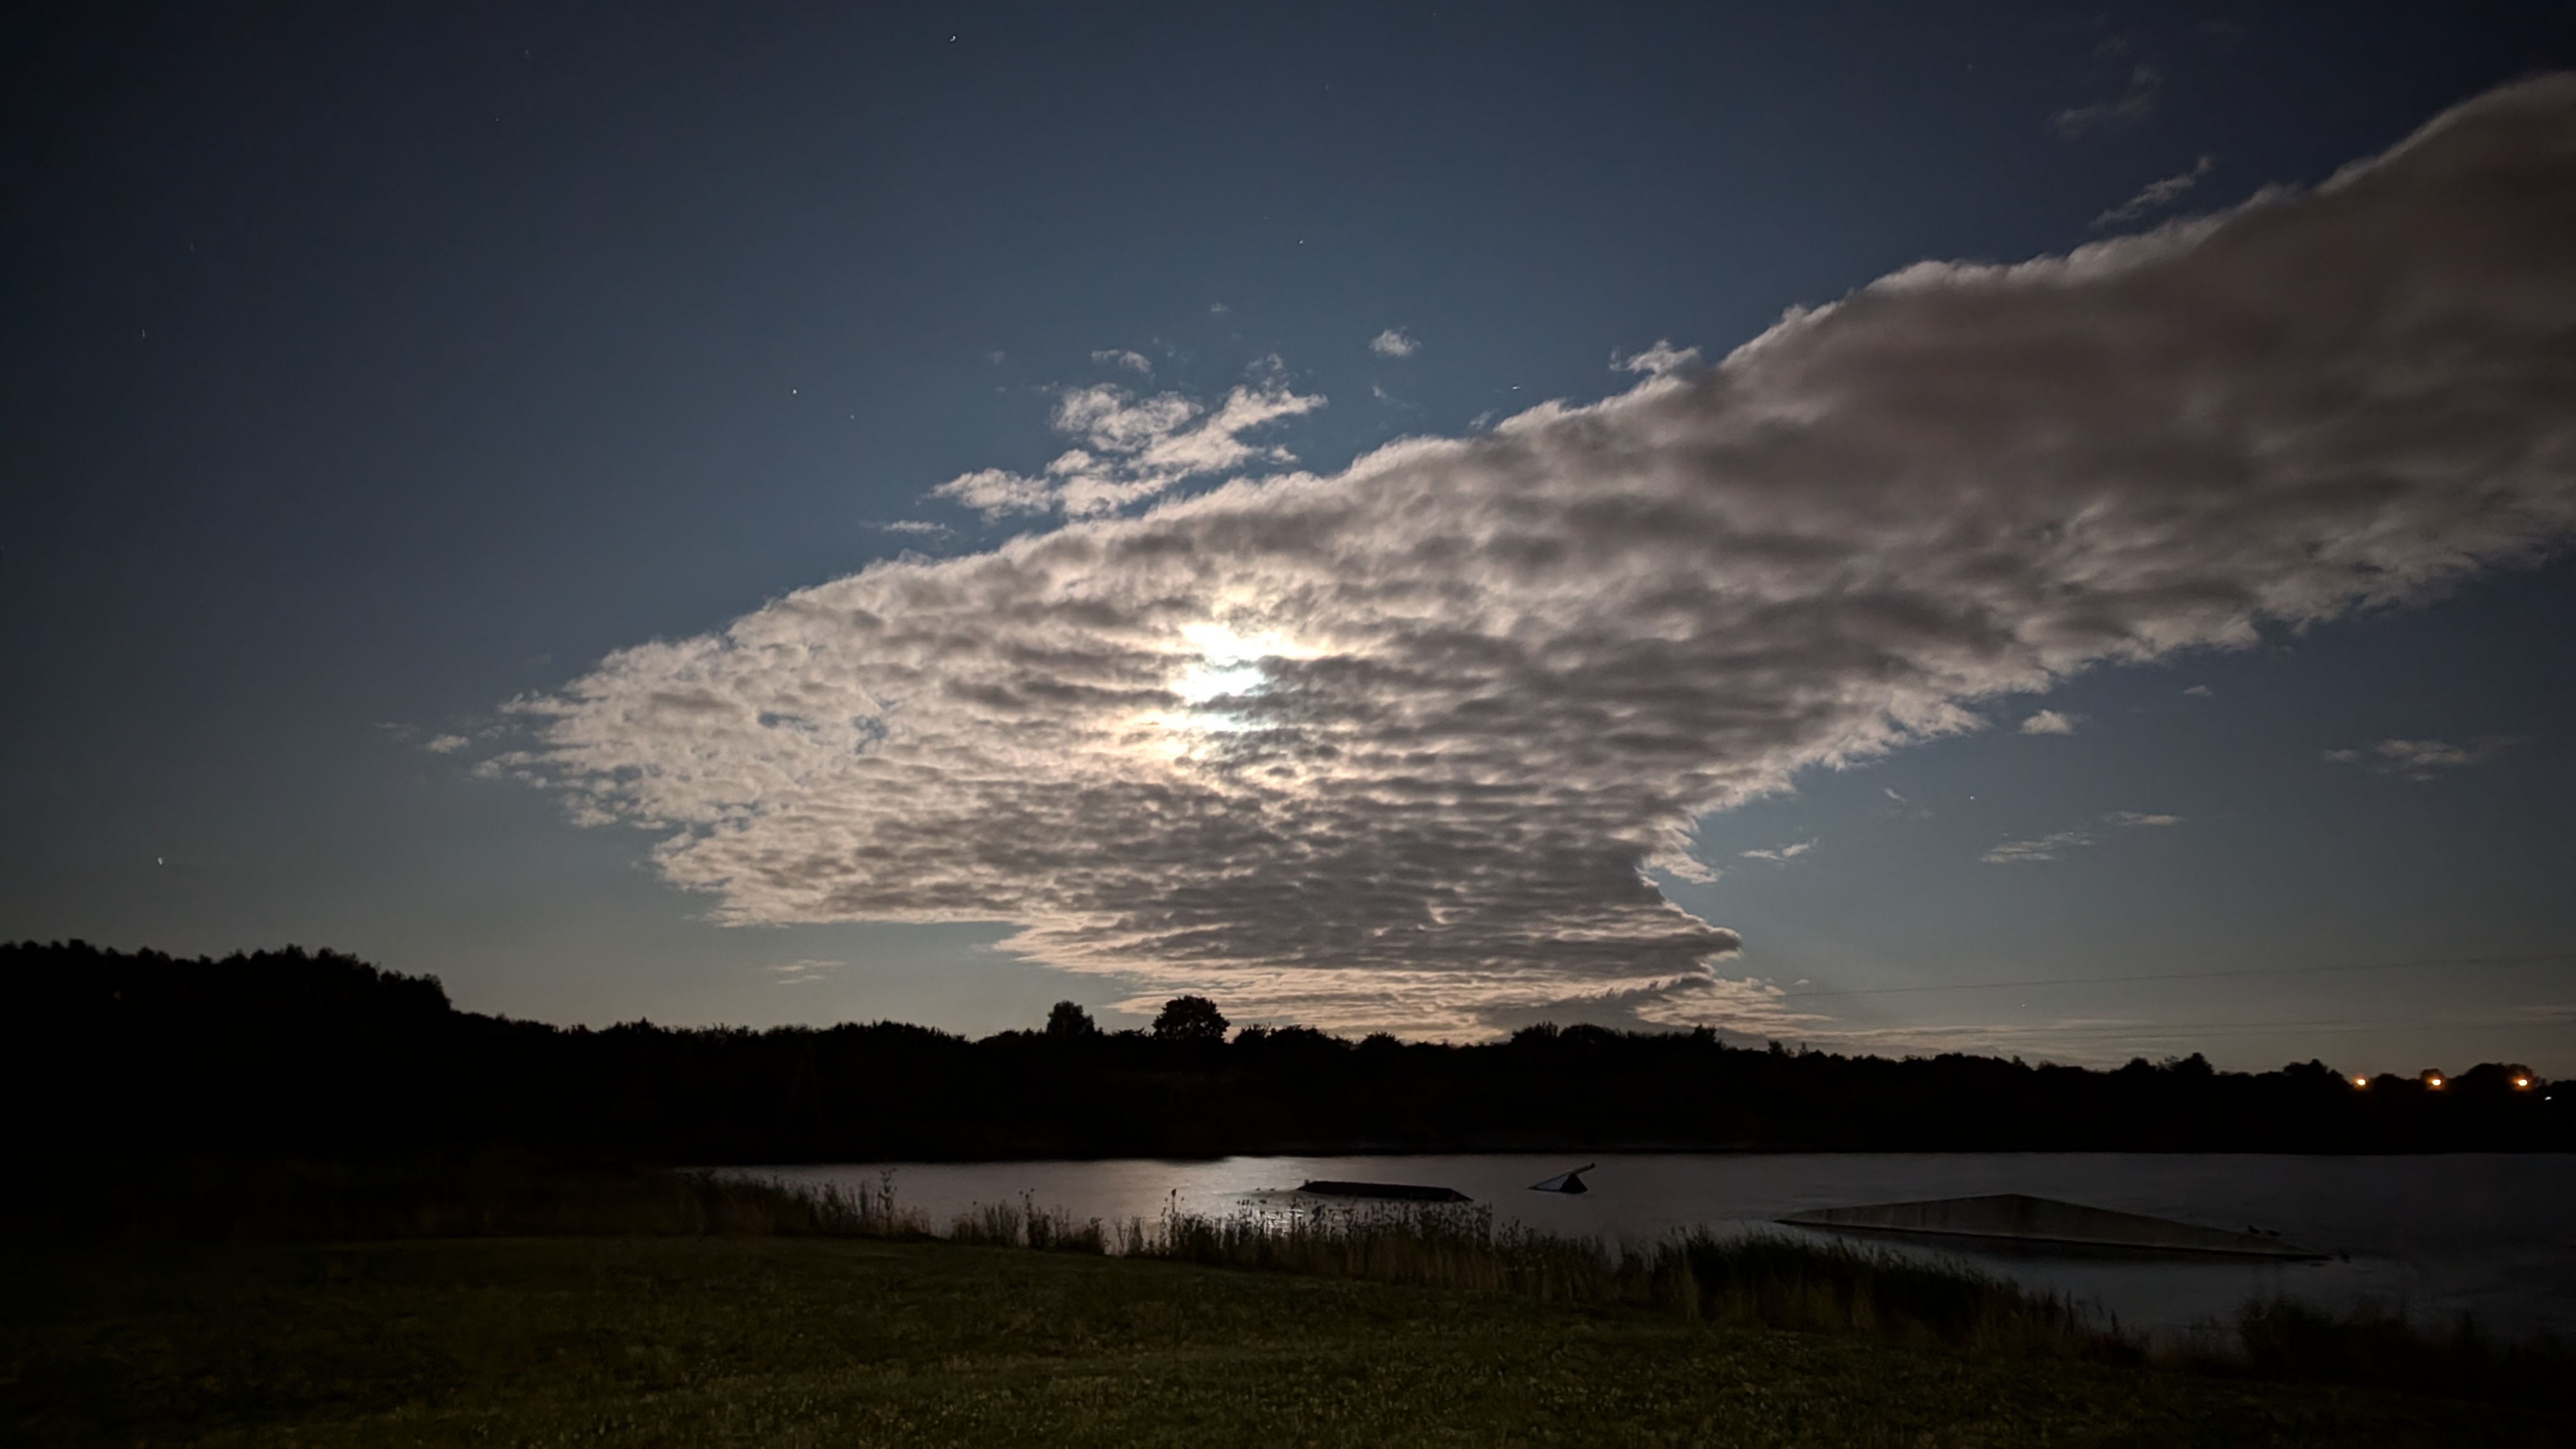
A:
1397,746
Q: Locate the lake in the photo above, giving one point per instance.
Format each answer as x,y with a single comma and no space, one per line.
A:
2436,1236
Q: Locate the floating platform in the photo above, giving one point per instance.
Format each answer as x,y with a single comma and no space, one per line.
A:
2012,1218
1383,1191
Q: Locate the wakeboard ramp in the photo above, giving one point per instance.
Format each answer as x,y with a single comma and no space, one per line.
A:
2012,1217
1566,1181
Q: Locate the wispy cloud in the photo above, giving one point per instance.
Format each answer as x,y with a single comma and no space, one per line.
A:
2417,760
1135,448
1748,1008
2060,844
2135,103
436,744
1657,360
1119,357
920,526
802,973
2050,1035
1903,807
2157,195
2051,722
2199,691
1394,342
1781,855
996,491
1390,746
2045,847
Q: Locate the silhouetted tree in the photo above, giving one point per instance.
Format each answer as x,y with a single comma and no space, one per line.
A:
296,1053
1190,1018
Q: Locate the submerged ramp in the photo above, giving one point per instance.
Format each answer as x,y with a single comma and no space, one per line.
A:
2011,1217
1382,1191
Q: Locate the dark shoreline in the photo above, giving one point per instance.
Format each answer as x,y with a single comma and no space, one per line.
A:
288,1053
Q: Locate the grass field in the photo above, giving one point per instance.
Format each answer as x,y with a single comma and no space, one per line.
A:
784,1340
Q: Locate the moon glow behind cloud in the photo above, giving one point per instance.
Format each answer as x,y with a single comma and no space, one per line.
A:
1397,746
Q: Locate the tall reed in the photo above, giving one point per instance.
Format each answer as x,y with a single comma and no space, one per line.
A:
2286,1339
751,1207
1000,1225
1769,1280
1755,1279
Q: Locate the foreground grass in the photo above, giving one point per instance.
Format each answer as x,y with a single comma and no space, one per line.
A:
782,1340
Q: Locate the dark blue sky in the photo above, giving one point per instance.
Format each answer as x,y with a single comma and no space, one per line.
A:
367,371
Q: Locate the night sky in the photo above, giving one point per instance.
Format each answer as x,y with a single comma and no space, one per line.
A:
1899,528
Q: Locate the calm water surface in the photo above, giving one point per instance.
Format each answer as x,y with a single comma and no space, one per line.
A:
2431,1236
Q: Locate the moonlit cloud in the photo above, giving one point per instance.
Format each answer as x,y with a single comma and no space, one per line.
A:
2048,1035
2156,195
1904,806
1394,746
996,491
1394,342
1657,360
1137,447
2046,847
2050,722
2056,846
2417,760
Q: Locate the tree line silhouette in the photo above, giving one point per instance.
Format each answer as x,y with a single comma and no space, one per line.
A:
290,1052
